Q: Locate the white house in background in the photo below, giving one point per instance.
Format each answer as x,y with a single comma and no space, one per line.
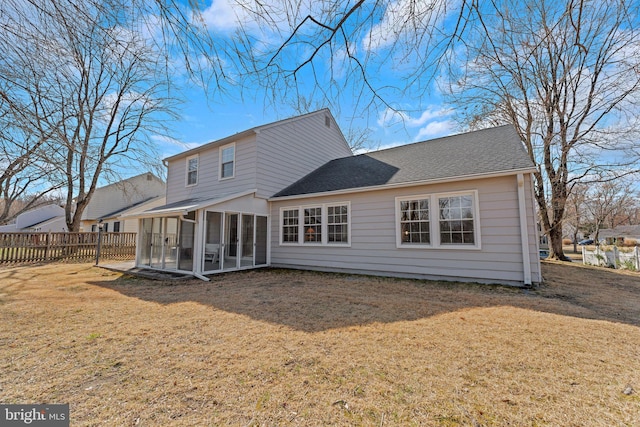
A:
129,196
291,194
46,218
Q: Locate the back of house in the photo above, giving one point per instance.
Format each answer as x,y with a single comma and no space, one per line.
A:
291,194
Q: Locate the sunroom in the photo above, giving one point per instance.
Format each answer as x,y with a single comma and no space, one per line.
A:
202,237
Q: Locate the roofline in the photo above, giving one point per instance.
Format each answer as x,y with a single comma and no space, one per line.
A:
405,184
182,211
117,214
130,178
243,134
207,145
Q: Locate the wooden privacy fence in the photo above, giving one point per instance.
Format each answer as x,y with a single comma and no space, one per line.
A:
43,247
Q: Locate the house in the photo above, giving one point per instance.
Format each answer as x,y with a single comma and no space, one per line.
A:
46,218
291,194
129,196
622,234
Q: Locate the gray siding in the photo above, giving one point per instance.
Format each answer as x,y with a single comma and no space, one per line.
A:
290,150
208,171
373,237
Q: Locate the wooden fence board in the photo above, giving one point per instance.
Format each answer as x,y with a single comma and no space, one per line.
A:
43,247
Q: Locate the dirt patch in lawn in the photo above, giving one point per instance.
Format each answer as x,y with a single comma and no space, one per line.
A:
278,347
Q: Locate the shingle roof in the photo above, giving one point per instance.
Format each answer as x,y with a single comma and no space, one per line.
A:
486,151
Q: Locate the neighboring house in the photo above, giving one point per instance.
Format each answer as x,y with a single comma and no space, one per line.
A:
291,194
47,218
620,234
129,196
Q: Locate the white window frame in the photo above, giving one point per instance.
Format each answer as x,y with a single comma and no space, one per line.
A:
399,241
348,224
281,218
222,148
304,226
324,225
434,222
186,175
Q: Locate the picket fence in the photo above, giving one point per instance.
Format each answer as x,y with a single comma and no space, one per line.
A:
44,247
612,256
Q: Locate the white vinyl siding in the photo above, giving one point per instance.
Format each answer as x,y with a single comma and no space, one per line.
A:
289,151
209,184
274,158
227,161
192,171
374,229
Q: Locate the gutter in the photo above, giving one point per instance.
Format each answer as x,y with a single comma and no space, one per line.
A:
404,184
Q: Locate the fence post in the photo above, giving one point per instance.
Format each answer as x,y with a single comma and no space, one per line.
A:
616,253
99,243
47,242
636,258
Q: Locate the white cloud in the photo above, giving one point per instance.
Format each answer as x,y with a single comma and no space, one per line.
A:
168,141
436,129
405,17
431,123
391,117
224,15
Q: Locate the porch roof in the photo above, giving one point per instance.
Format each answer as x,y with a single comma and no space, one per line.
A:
182,207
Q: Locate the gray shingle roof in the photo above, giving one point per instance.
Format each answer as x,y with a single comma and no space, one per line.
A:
480,152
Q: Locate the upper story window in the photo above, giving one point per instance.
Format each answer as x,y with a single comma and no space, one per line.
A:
438,220
227,161
192,170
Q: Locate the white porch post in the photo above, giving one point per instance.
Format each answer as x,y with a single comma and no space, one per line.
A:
524,235
198,244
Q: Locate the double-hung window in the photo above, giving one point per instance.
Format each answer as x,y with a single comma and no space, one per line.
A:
326,224
290,222
192,170
444,220
415,222
313,225
457,225
227,161
338,224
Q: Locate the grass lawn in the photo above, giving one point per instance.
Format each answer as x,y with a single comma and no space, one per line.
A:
276,347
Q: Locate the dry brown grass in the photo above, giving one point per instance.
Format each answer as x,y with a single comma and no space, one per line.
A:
299,348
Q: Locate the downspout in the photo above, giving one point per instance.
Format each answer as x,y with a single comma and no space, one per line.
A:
524,235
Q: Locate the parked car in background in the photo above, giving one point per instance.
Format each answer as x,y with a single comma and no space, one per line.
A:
586,242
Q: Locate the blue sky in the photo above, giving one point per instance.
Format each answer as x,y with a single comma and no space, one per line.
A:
204,119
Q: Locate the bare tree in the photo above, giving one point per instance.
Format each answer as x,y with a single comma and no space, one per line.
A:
566,74
605,201
21,178
84,86
576,215
328,50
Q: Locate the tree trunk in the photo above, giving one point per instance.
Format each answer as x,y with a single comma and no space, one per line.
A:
555,244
